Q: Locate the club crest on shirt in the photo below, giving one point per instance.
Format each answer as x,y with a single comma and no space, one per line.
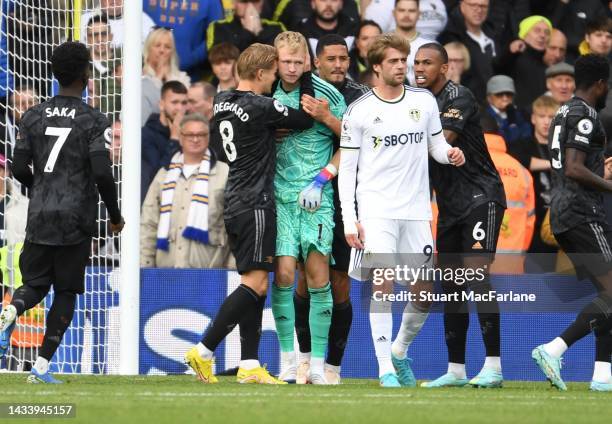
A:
453,114
415,114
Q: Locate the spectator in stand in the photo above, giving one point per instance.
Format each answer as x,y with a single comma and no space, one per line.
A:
20,100
466,24
189,20
244,27
504,17
104,88
556,49
328,17
560,82
571,17
367,31
13,208
113,9
406,16
458,62
187,232
524,59
115,149
537,158
293,12
161,132
200,96
432,20
512,124
223,59
598,37
160,65
160,58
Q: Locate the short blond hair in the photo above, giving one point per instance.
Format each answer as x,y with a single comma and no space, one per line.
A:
380,44
292,40
459,46
257,56
545,102
153,37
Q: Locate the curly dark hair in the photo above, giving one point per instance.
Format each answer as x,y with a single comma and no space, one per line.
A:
589,69
70,62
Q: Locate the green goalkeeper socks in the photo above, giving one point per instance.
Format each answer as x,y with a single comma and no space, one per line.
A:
284,316
321,304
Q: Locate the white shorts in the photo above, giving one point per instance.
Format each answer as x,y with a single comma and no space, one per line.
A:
392,242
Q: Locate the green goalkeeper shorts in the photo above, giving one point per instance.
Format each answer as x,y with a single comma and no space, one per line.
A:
299,232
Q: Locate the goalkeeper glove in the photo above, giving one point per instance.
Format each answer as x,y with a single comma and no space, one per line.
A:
310,197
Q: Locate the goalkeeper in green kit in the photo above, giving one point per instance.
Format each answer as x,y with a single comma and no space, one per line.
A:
304,207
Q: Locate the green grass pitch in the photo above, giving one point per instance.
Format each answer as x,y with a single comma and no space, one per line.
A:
178,399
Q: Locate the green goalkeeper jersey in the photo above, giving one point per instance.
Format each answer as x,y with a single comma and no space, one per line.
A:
301,155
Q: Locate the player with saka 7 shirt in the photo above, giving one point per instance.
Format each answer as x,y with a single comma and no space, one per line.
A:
68,143
577,141
387,135
243,135
471,201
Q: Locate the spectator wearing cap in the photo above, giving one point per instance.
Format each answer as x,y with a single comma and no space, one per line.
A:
524,60
560,82
598,37
467,24
511,122
244,27
556,49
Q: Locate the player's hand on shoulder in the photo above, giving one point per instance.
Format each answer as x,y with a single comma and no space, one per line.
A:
456,156
356,240
310,198
317,108
116,228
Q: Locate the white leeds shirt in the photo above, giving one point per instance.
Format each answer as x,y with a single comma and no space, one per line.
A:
385,152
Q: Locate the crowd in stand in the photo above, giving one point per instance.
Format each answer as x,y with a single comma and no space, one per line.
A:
516,57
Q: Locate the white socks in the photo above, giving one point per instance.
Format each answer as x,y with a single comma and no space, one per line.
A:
493,362
335,368
287,361
204,352
602,373
317,366
555,348
458,370
381,323
412,321
41,365
303,357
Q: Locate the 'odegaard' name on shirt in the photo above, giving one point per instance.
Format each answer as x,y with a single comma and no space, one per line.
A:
231,107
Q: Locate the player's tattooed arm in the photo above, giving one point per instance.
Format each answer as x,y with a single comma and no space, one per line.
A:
575,169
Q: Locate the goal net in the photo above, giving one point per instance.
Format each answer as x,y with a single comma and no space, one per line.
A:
29,30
